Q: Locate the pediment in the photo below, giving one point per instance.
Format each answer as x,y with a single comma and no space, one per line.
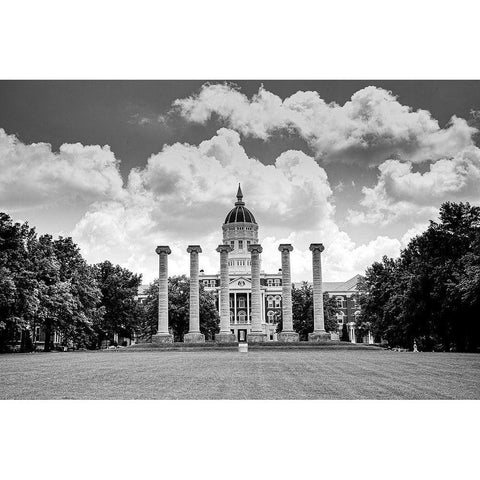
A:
240,282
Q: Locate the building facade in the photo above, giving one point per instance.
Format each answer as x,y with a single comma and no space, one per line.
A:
240,230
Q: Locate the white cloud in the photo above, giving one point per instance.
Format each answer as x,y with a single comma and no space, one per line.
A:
370,128
34,175
401,193
183,194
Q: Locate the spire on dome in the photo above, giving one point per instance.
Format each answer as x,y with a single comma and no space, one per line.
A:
239,196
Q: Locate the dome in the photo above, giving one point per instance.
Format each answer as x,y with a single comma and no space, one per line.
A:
240,213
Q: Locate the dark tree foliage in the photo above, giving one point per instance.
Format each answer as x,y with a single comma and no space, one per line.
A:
45,282
178,309
119,288
431,292
302,309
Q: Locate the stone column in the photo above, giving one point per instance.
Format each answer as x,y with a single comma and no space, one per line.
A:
319,334
287,334
225,335
163,335
194,335
256,333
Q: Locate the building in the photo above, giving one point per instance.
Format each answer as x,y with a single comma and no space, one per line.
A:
240,230
346,297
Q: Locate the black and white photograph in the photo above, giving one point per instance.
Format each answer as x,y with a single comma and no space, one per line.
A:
323,233
251,253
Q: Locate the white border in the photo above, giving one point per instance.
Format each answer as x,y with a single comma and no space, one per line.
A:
216,39
239,40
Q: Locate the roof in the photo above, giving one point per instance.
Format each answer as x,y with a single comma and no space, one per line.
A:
240,213
350,285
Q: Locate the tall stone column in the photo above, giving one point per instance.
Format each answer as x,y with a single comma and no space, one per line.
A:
162,335
256,332
194,335
287,334
225,335
319,334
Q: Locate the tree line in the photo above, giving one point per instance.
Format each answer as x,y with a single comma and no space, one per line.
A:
431,293
46,283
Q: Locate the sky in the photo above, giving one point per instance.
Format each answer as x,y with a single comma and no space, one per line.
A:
123,166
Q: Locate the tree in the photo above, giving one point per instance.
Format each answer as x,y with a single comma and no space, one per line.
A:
16,279
430,294
302,309
178,309
119,288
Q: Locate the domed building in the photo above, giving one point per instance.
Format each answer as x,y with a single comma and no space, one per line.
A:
239,230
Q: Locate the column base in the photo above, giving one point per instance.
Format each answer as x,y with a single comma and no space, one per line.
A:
322,336
256,337
162,338
288,337
194,338
225,338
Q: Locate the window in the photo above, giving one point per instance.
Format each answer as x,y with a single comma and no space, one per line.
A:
270,301
248,243
340,302
269,282
212,283
270,317
232,319
241,317
232,243
277,301
240,244
241,302
205,282
276,282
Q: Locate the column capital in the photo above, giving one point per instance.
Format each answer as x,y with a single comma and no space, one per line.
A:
163,249
255,247
224,249
317,246
194,249
285,247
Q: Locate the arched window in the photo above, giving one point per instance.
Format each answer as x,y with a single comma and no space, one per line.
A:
242,316
270,301
277,301
356,315
270,317
340,302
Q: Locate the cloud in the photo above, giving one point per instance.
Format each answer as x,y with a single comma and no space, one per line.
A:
403,193
185,191
34,175
371,127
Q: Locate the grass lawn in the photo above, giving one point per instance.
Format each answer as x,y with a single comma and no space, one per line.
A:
259,374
